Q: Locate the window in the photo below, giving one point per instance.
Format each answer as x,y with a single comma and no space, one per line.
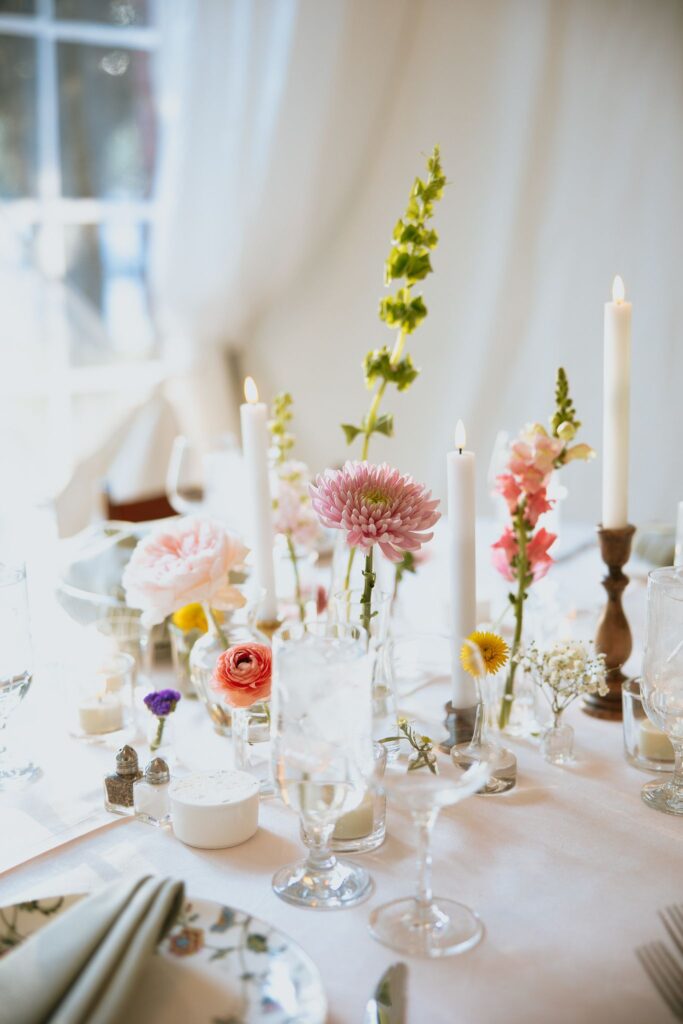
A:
78,147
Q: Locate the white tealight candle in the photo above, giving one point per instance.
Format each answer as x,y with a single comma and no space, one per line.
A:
615,432
653,743
357,823
215,809
100,714
463,581
254,419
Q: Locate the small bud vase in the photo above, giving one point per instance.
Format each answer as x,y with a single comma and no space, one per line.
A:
251,742
558,742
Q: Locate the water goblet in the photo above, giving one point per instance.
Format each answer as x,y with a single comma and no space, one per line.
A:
661,685
16,665
322,753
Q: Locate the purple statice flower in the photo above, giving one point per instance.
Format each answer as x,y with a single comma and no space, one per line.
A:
162,702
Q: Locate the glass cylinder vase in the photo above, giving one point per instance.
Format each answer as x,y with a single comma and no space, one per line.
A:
205,653
251,742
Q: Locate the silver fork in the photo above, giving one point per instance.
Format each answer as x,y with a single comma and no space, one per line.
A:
665,974
672,919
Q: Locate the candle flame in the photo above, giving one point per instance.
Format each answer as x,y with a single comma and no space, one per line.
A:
460,435
250,391
618,289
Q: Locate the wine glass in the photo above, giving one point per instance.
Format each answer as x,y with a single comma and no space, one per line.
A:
16,665
424,925
322,753
661,685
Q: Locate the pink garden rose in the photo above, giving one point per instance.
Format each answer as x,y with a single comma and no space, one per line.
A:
243,674
186,561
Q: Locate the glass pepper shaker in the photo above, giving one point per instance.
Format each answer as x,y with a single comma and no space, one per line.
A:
118,786
150,794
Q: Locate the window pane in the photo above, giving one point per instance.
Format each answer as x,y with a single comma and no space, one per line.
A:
107,122
106,264
109,12
17,116
17,6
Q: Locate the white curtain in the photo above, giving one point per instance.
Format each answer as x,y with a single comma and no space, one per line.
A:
273,111
561,132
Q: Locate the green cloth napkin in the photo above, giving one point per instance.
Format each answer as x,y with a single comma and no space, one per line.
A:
84,966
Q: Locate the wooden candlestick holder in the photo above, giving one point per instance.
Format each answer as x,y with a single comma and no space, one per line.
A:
459,724
613,637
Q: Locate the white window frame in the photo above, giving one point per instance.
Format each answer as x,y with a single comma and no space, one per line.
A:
49,211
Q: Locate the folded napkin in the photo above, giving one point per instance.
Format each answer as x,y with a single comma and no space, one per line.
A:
84,966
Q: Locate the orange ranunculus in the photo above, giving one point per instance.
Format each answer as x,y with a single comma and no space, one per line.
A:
243,674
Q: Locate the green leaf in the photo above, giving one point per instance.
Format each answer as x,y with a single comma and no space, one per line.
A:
384,425
350,432
257,943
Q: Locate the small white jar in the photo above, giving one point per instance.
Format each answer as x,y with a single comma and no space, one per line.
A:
151,794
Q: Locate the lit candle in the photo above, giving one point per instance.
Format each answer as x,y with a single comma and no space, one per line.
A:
254,417
461,528
615,432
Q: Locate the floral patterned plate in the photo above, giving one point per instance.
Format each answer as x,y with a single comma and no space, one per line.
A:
217,966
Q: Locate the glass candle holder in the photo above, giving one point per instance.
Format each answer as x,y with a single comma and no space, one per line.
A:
100,700
364,828
127,635
645,746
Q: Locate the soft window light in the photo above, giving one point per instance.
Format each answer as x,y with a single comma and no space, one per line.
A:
250,391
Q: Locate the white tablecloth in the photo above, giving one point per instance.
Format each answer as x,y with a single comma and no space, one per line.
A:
567,870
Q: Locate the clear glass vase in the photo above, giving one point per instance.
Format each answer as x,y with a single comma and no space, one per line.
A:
205,654
558,742
182,642
251,742
346,609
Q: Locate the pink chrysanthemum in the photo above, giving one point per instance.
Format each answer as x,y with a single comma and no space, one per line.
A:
375,505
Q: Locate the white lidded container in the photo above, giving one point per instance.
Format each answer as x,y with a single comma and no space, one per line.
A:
215,809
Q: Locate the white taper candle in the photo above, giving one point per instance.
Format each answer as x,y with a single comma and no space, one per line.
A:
461,529
254,419
615,432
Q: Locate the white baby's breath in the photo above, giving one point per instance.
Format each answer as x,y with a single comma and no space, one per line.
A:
565,671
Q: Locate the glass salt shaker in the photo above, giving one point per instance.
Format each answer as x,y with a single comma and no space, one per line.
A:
150,794
118,786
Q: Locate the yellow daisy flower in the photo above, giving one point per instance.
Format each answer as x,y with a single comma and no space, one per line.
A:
494,653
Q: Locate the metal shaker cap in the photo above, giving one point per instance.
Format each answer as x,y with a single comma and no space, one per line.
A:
156,772
127,761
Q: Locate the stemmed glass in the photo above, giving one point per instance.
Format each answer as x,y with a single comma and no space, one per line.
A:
16,664
322,753
422,924
661,685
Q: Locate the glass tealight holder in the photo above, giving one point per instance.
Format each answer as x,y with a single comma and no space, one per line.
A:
645,747
364,828
100,702
127,634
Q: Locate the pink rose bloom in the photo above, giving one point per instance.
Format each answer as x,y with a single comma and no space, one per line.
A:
532,458
537,505
502,553
185,562
537,552
243,674
508,488
375,505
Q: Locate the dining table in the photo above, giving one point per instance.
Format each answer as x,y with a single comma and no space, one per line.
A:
567,870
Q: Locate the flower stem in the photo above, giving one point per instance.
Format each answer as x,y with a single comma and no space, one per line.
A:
159,734
366,597
522,569
370,421
211,617
297,580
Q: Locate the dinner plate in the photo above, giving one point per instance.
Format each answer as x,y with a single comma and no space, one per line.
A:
218,965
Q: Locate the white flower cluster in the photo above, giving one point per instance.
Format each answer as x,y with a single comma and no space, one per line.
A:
567,669
293,514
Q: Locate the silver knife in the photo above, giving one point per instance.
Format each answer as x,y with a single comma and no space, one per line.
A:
388,1003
